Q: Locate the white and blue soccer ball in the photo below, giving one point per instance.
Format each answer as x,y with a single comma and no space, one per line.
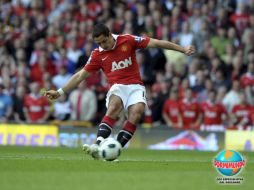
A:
110,149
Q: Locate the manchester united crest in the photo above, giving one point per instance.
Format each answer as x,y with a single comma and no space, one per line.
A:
124,48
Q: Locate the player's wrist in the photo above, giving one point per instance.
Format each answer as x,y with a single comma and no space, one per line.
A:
183,49
61,91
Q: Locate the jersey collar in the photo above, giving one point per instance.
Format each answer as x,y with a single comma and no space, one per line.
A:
115,38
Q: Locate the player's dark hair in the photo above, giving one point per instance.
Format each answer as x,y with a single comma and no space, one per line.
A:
100,29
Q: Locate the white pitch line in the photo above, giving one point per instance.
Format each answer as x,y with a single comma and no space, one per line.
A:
174,160
4,157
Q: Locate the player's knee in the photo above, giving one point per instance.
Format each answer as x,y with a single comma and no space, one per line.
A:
136,114
135,117
114,110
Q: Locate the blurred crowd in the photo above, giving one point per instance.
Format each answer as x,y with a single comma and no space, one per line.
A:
42,43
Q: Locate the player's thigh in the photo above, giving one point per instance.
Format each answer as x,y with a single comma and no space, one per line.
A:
136,111
115,106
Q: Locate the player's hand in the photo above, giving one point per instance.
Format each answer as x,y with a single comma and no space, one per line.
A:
189,50
52,94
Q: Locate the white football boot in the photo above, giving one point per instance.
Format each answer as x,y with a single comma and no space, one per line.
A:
93,149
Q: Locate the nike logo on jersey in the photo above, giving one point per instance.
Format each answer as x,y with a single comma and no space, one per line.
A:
104,58
121,64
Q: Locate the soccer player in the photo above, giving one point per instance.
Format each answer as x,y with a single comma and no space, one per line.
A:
190,112
116,57
214,113
171,112
241,114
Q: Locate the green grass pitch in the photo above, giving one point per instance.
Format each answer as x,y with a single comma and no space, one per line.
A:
27,168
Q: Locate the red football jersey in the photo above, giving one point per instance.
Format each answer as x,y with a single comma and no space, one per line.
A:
213,113
36,106
119,64
242,111
171,109
189,112
246,80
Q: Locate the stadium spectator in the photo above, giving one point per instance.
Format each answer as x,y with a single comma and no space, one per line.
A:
248,78
61,78
61,30
192,71
241,113
5,105
83,103
159,95
157,100
186,38
220,41
196,20
182,87
250,57
171,112
201,36
228,57
240,18
221,93
36,106
87,49
222,18
237,68
38,51
233,37
170,72
62,109
18,106
248,41
200,82
202,96
232,97
213,113
155,58
190,111
73,54
42,67
220,79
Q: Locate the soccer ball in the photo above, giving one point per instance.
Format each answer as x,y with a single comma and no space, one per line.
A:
110,149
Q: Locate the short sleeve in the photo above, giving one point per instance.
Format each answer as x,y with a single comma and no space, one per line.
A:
140,42
93,64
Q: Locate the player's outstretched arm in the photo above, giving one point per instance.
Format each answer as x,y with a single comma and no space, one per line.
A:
74,81
154,43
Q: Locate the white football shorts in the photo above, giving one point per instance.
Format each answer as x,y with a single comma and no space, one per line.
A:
130,94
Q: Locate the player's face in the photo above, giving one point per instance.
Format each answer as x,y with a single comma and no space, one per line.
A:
106,42
188,94
242,98
212,96
174,95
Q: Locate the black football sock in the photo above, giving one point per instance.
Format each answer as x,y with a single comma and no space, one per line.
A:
105,129
126,134
123,137
104,132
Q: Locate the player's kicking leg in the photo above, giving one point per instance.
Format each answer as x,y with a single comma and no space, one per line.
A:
106,126
104,131
135,113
